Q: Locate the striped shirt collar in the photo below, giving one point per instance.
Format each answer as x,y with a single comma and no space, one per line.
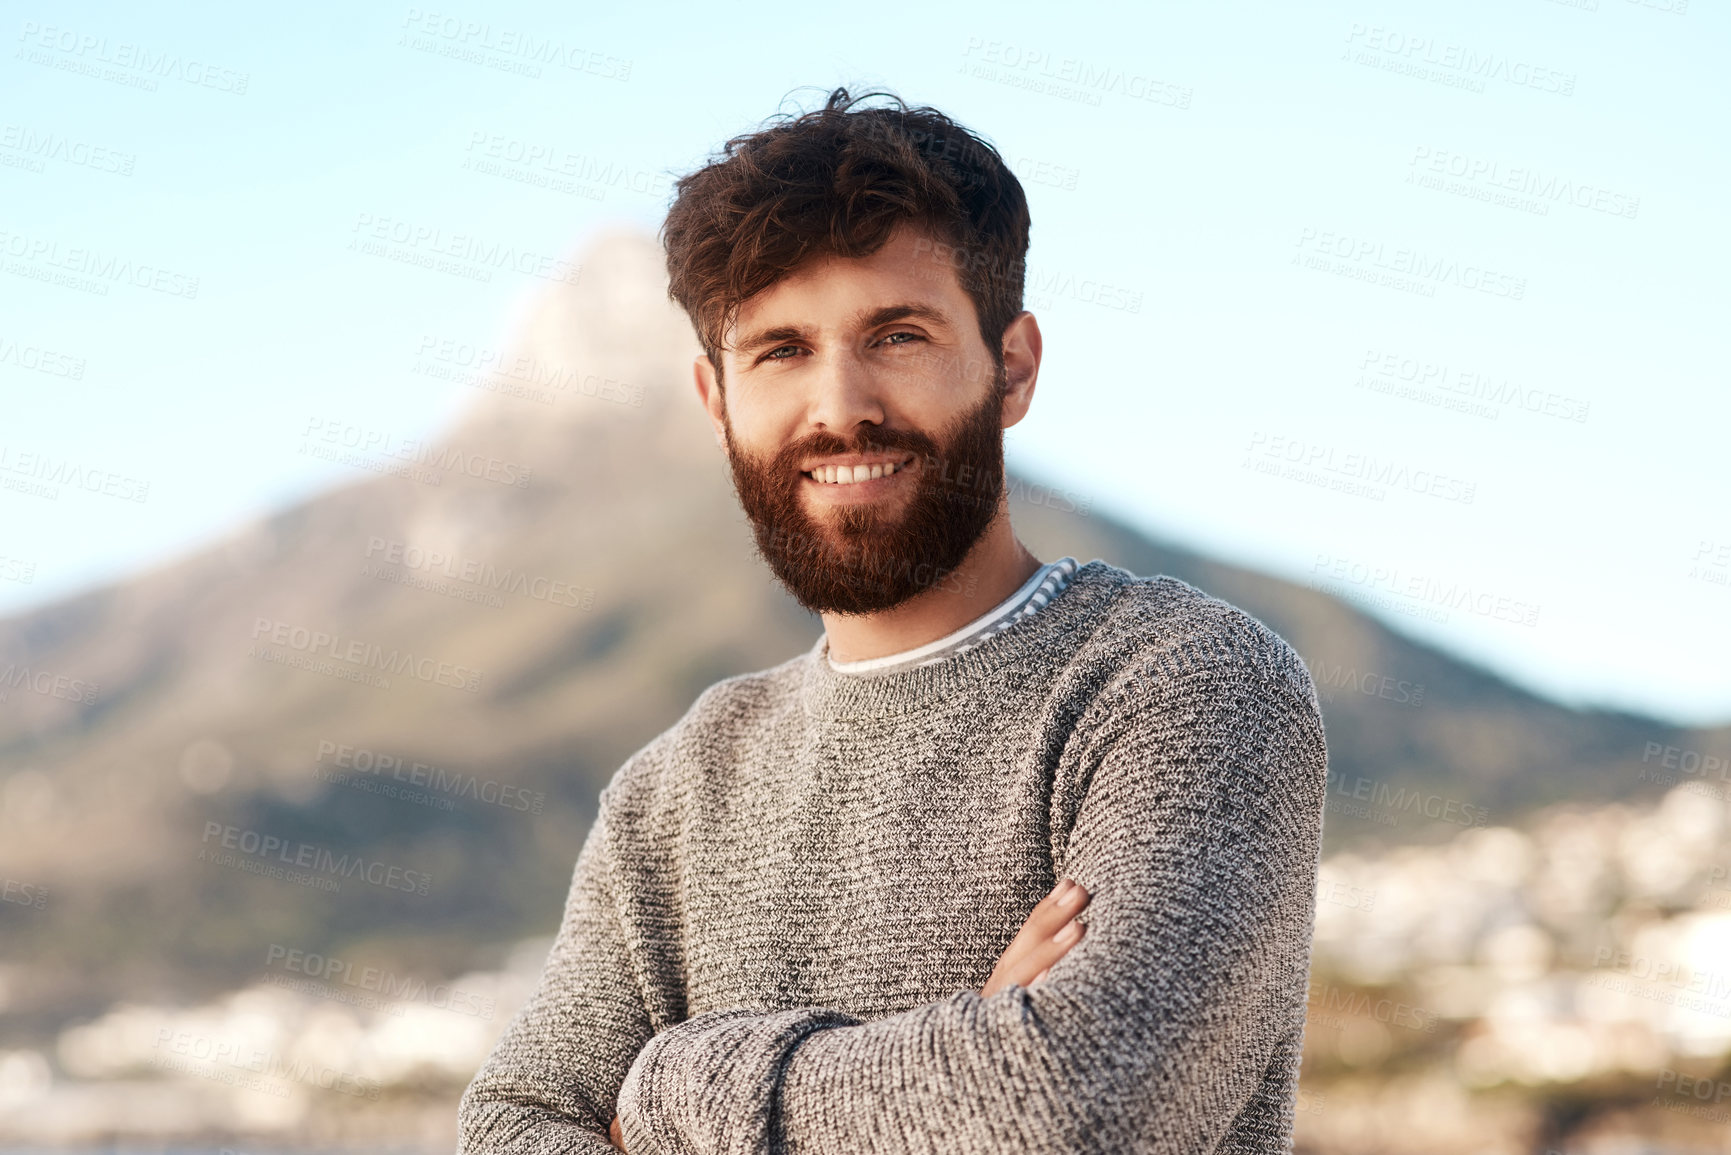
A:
1030,598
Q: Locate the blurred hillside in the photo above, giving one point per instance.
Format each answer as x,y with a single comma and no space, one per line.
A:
434,670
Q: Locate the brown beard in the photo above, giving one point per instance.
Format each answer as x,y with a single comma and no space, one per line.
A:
868,559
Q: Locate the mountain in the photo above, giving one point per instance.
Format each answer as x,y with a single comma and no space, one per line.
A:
412,687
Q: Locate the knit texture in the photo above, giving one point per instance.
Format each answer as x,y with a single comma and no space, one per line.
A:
781,919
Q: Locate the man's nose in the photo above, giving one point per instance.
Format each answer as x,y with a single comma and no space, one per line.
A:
844,393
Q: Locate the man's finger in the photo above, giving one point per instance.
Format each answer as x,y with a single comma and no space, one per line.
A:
1044,954
615,1135
1035,946
1059,906
1049,916
1029,965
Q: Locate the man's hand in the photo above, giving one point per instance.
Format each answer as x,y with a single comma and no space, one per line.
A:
616,1136
1045,938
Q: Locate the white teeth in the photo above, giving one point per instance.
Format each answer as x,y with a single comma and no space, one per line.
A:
848,474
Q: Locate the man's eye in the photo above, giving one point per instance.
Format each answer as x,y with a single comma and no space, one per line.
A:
775,354
891,339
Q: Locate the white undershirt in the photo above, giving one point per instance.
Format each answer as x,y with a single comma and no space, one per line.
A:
1033,595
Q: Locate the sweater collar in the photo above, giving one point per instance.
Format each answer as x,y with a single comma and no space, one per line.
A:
1059,628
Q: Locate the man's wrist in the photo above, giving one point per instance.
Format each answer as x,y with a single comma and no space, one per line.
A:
669,1098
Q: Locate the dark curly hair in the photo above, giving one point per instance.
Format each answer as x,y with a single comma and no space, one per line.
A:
836,181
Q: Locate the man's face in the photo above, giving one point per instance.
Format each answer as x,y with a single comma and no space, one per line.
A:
871,369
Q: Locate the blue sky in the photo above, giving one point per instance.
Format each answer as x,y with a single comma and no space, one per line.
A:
1411,301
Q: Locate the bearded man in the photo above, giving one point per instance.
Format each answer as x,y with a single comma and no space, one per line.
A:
838,907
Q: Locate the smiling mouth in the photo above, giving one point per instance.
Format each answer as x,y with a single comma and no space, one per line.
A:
854,474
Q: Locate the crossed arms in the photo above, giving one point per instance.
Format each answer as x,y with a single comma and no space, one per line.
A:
1196,836
1051,930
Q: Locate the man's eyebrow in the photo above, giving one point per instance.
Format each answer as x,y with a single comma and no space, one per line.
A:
871,319
865,319
766,337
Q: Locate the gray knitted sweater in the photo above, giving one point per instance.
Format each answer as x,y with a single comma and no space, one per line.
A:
782,916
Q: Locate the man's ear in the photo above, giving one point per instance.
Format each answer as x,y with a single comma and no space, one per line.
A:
709,392
1022,347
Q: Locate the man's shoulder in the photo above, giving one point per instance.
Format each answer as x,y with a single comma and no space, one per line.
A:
726,719
1161,627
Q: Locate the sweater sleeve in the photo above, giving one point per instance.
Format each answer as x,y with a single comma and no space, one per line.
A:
1197,834
551,1083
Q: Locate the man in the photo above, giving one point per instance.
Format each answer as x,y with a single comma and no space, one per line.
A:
818,914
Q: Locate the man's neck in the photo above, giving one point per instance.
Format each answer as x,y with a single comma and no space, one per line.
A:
993,570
